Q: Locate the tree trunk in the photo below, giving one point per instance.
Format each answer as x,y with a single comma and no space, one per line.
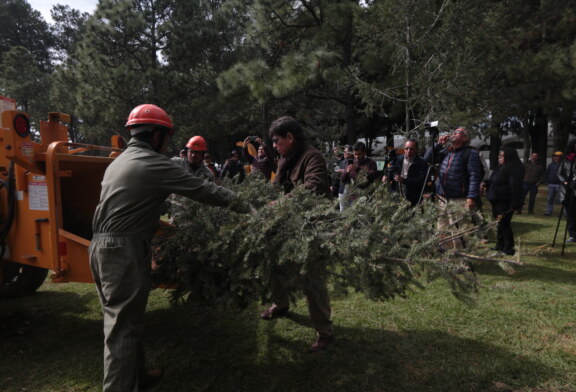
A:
350,109
495,143
538,129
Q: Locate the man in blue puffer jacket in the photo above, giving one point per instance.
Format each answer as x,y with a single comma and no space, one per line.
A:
458,179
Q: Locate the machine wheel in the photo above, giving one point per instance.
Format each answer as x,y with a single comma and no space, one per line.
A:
18,280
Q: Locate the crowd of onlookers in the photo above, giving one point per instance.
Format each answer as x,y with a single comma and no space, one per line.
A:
450,171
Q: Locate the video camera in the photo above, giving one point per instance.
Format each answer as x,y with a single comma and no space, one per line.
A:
431,128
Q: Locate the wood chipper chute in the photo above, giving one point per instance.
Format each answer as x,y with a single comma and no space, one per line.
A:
49,191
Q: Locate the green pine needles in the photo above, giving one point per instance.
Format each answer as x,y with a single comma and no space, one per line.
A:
379,246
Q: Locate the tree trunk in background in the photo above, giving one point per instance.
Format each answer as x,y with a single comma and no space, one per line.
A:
538,130
349,116
495,143
563,128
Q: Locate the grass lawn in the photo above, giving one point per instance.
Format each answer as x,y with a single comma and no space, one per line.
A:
520,336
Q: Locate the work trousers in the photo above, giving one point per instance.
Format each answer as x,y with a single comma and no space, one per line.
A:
533,190
504,234
120,265
318,304
452,220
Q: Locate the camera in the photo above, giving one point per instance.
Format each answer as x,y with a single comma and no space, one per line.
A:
252,139
432,128
350,161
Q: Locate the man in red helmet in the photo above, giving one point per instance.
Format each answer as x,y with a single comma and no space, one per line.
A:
194,163
134,187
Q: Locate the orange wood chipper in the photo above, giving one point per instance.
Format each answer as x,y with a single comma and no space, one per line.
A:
48,193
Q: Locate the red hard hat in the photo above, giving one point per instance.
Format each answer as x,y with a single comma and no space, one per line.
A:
197,143
148,114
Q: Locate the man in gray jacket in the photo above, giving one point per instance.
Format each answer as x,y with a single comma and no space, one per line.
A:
133,189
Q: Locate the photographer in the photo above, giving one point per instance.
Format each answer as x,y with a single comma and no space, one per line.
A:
263,162
408,173
361,163
233,169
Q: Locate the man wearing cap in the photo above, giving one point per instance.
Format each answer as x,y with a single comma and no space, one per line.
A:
551,178
458,181
133,188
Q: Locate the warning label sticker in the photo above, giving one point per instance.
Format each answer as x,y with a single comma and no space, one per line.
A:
27,149
38,196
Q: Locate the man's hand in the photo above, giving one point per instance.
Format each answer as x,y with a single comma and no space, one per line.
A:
443,139
470,203
384,180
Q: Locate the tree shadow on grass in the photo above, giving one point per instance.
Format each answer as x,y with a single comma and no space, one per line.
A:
46,342
521,228
205,349
531,272
224,351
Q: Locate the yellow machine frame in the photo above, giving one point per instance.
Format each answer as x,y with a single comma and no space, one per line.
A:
57,188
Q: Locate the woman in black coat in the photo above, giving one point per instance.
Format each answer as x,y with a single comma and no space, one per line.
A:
505,195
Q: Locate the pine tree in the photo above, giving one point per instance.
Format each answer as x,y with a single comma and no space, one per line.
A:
380,246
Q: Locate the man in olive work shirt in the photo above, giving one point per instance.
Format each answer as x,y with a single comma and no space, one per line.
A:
133,189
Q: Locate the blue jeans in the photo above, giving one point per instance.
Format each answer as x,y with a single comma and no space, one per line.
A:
553,190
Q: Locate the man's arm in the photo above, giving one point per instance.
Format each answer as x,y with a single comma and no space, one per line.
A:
474,175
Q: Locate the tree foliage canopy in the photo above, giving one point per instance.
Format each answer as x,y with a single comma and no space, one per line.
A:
345,68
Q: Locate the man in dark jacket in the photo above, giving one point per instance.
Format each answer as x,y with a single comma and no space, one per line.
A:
553,182
334,170
458,181
359,173
410,173
361,163
233,168
533,172
302,165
